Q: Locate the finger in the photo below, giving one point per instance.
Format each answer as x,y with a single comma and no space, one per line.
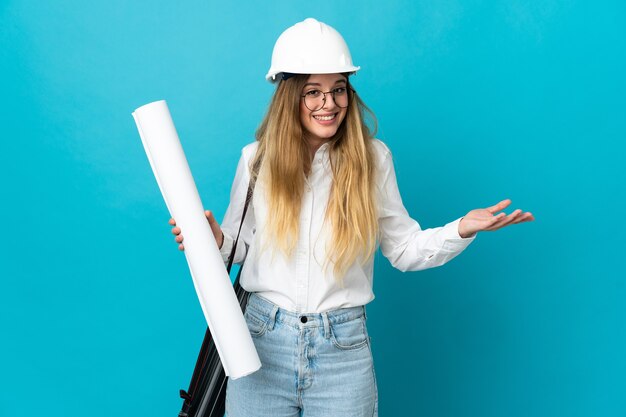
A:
500,206
181,247
210,218
526,217
172,221
176,230
179,239
511,217
496,219
504,221
522,217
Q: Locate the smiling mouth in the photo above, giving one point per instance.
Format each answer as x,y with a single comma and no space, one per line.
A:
326,118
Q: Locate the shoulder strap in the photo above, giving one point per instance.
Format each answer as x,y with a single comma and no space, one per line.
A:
249,194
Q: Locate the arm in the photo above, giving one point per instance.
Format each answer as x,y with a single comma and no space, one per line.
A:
402,240
232,218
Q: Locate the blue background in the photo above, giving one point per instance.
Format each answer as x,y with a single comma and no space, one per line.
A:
478,101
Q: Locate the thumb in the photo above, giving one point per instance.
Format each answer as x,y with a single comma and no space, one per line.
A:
210,217
500,206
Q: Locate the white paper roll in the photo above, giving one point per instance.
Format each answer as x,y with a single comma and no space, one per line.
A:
211,281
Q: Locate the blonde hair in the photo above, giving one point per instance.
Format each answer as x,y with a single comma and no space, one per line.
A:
285,160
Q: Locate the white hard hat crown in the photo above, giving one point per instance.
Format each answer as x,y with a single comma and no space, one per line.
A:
310,47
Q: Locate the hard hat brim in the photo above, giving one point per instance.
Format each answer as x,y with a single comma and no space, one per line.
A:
274,75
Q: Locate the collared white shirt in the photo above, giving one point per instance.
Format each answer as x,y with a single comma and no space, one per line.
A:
304,283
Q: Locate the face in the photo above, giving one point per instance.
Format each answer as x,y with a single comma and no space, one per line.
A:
321,125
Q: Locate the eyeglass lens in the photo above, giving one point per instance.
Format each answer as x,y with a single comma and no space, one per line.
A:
315,99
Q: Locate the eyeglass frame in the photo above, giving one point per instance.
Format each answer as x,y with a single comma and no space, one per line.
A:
348,88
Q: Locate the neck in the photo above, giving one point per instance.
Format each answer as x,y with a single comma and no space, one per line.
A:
314,144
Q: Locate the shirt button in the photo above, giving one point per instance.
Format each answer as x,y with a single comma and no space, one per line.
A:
303,319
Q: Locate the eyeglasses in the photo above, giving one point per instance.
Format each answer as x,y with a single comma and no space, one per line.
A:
315,99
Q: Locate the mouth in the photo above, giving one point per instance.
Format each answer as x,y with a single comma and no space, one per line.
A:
325,117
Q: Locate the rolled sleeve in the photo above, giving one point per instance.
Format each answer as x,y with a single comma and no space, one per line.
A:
227,247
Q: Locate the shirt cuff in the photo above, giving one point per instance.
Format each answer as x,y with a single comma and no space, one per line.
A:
227,246
453,232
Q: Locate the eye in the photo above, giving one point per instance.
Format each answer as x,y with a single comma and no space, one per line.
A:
313,93
339,90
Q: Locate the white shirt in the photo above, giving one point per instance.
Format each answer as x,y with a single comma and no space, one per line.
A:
303,283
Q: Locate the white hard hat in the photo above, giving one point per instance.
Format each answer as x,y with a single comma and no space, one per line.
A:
310,47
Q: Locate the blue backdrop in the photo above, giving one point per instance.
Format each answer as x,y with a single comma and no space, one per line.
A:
478,101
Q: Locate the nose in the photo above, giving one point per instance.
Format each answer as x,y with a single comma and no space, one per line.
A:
328,96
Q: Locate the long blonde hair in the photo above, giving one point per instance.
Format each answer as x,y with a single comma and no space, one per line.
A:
285,160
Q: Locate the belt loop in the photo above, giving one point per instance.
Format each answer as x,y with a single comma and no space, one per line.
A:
272,321
326,325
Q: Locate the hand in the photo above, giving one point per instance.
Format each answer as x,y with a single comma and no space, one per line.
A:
481,220
215,228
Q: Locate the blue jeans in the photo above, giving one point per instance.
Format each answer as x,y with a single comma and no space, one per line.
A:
313,365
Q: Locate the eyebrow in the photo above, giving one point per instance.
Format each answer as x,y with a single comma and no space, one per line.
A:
319,85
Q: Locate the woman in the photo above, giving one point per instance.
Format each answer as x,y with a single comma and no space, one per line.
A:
325,197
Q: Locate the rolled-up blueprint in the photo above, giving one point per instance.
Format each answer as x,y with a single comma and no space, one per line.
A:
218,300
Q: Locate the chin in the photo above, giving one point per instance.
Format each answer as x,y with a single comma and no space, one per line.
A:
326,134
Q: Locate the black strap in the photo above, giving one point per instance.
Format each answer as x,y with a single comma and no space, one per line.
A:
231,257
249,194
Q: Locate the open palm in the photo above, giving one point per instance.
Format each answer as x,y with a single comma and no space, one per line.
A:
486,219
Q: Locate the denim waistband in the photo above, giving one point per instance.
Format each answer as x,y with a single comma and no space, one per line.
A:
275,313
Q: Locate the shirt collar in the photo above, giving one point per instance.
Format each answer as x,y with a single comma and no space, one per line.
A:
322,149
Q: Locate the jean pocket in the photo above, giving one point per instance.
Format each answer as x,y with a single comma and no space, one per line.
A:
257,324
349,335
